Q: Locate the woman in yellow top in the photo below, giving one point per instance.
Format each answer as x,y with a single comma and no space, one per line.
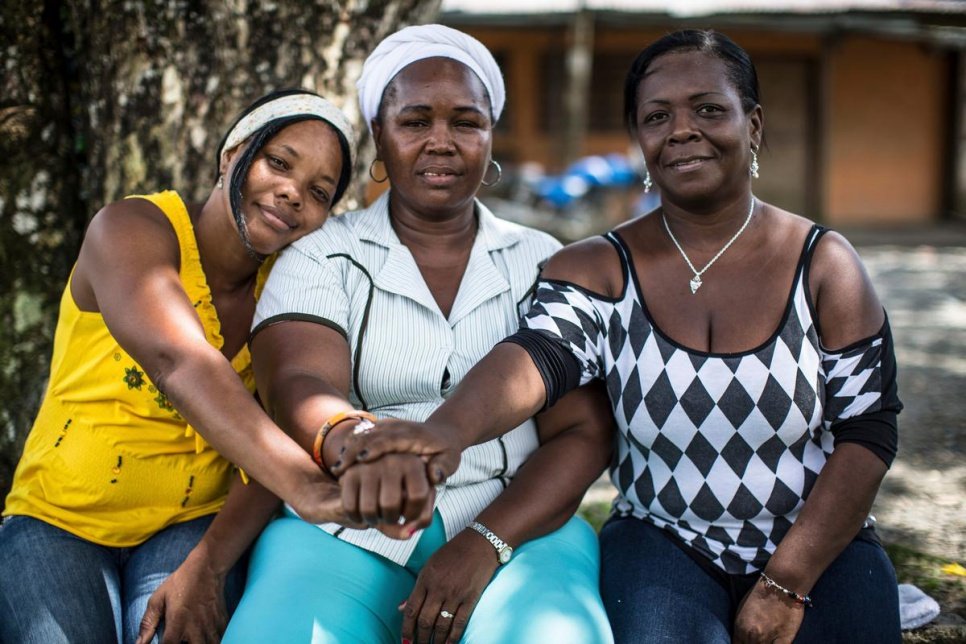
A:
115,489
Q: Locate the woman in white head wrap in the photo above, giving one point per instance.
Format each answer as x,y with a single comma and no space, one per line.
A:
151,388
379,316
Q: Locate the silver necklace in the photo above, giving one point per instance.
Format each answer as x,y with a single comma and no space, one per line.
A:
696,280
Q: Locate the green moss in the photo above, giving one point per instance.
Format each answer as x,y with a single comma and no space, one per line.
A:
595,513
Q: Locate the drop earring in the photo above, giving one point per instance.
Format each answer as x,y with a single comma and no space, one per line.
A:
221,181
647,180
754,164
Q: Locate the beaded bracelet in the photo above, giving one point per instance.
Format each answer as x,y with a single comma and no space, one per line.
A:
353,414
804,600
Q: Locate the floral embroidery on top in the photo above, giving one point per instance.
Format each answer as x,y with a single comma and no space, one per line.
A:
187,492
133,378
63,432
116,469
163,402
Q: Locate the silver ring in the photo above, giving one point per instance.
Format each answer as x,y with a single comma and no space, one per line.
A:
445,614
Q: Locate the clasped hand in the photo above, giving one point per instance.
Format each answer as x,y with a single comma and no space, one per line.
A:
387,476
390,473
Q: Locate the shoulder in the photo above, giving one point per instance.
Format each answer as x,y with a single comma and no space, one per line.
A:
134,223
844,297
124,239
339,234
593,264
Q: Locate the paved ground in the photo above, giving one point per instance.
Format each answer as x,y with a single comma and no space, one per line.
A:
922,502
921,279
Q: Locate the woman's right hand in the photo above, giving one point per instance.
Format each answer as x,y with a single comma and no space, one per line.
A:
189,605
321,502
453,580
765,615
431,442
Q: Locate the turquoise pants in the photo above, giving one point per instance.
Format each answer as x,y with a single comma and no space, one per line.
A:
305,585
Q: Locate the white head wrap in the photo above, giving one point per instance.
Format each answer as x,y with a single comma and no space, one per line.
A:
408,45
290,105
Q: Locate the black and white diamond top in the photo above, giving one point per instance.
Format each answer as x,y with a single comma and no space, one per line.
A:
720,449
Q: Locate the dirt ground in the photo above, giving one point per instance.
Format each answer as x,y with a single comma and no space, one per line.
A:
922,502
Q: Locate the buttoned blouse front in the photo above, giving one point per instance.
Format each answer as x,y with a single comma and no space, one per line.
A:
355,276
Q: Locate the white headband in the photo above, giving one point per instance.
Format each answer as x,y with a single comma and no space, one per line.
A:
291,105
411,44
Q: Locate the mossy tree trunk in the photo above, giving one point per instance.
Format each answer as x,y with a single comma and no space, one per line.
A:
103,99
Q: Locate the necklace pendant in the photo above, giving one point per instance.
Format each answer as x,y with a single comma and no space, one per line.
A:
695,284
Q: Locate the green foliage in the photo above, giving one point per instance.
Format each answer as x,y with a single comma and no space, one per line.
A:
595,513
925,571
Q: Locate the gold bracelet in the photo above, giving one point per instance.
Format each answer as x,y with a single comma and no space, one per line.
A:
352,414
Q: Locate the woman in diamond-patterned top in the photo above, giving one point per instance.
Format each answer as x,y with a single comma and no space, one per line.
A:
750,369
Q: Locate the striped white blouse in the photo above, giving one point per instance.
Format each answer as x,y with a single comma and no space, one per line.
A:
355,276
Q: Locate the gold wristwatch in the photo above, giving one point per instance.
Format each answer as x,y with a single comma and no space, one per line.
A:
503,550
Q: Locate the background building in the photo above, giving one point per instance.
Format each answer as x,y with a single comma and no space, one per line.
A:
865,101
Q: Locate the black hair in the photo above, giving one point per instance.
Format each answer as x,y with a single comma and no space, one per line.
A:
259,138
741,71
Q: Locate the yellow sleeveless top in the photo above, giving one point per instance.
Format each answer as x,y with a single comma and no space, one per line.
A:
108,458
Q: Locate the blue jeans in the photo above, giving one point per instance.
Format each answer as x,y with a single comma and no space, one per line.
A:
655,591
304,585
56,587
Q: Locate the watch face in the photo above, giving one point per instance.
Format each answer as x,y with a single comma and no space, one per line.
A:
505,555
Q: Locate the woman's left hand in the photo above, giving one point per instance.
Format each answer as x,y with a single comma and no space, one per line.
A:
452,580
765,615
190,604
391,492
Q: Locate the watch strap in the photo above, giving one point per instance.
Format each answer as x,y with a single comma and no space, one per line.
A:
503,549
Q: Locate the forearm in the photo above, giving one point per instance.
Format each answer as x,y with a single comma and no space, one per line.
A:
208,393
531,507
831,517
302,404
502,391
245,513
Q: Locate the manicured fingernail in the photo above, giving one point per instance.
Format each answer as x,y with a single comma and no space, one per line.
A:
363,454
338,463
405,641
342,450
412,531
439,475
401,605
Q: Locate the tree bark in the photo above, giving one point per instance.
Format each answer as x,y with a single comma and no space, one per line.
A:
99,100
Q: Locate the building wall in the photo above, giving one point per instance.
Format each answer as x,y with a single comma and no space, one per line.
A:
886,107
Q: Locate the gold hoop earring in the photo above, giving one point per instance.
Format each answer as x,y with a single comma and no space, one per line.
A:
373,176
499,175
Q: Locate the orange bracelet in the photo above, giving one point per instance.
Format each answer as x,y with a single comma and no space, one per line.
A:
353,414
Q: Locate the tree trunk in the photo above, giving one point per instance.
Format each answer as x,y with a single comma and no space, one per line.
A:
103,99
